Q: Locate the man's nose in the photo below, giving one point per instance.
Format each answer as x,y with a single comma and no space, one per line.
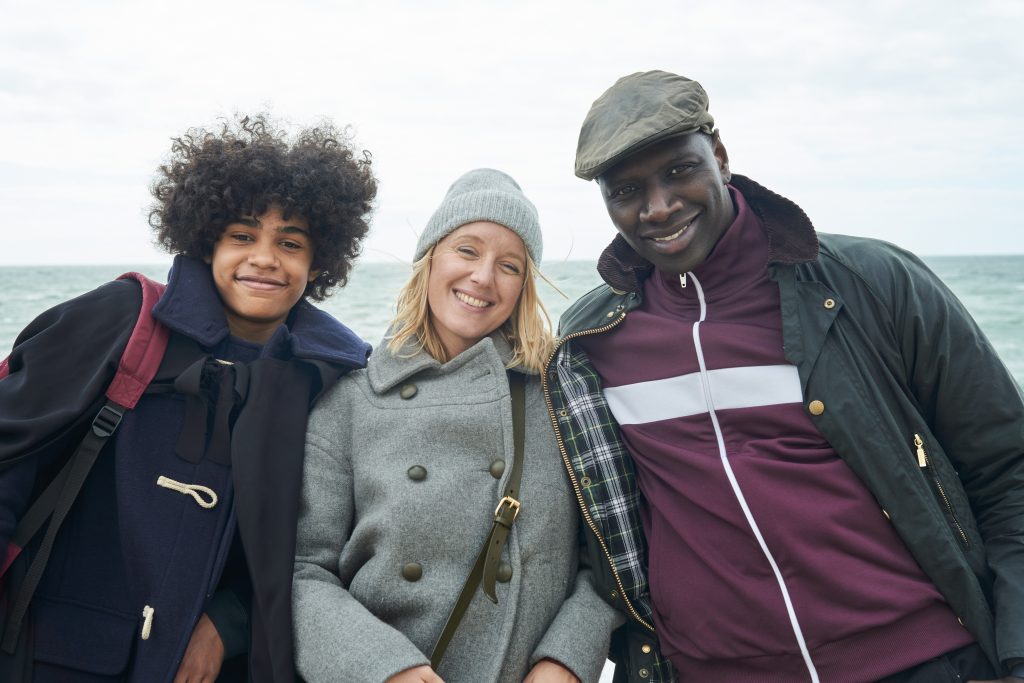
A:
659,207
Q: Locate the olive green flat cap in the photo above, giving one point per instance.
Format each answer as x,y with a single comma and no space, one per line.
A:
639,110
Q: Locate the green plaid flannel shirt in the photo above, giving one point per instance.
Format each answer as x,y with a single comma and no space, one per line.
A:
604,469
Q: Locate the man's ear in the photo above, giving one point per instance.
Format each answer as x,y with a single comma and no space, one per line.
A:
721,155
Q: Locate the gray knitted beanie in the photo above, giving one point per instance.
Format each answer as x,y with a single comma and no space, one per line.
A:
484,194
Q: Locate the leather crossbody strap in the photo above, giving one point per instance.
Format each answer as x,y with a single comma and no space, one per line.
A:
486,565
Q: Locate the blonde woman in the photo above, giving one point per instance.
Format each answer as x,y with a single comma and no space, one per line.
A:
406,461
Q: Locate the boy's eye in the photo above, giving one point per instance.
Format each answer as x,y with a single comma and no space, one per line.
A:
241,237
289,244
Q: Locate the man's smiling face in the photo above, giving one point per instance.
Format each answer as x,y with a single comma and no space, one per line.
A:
669,201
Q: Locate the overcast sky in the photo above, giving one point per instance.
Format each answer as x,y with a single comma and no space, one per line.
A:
900,120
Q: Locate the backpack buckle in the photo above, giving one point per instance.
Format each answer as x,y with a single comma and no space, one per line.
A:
107,420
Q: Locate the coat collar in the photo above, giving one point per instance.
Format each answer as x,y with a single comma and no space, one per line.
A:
386,370
191,306
791,238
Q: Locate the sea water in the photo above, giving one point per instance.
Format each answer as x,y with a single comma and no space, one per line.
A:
991,287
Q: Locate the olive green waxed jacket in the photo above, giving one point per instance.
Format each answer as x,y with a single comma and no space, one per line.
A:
901,382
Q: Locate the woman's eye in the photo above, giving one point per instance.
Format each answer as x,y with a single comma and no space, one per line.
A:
466,251
511,268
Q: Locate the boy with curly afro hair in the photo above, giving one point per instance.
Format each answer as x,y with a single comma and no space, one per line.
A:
175,561
214,178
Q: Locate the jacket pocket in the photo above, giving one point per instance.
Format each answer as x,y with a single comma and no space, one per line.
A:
82,638
928,469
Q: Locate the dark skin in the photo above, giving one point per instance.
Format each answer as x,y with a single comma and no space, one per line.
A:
670,202
203,656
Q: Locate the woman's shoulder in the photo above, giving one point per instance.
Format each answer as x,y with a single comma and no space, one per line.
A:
350,384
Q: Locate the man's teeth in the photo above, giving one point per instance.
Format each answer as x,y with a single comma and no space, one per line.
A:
472,301
673,235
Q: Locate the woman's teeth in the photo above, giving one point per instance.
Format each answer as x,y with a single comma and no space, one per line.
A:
472,301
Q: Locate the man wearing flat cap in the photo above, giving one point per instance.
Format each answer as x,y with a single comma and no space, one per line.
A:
797,457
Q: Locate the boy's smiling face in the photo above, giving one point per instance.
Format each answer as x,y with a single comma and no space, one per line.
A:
261,266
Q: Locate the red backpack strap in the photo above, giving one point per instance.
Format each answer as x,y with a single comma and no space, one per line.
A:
145,349
142,355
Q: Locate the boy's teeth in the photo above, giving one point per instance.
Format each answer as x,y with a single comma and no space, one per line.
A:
472,301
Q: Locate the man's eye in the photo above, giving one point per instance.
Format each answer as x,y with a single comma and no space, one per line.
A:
682,168
623,191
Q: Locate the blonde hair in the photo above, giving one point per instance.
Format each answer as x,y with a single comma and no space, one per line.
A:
527,330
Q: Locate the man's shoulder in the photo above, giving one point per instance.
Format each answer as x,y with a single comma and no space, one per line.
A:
868,258
596,308
876,268
863,251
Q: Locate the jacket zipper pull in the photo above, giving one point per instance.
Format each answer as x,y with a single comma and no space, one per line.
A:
682,280
922,457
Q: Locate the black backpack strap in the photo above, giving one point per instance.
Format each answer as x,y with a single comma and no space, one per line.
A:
58,498
140,361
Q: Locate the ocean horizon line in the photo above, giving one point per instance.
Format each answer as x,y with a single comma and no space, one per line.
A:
362,260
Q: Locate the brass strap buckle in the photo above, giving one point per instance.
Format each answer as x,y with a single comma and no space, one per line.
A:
512,503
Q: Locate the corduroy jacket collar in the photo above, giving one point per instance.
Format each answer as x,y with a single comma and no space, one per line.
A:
791,238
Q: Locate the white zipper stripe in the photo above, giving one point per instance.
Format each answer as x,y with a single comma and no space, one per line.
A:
797,631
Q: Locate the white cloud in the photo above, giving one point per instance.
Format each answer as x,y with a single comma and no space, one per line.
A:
893,119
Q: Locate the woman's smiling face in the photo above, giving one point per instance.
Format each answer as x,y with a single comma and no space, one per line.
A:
476,276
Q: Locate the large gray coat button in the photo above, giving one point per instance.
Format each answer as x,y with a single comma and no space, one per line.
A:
412,571
417,473
407,391
497,468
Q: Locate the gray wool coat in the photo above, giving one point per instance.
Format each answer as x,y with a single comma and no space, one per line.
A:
401,483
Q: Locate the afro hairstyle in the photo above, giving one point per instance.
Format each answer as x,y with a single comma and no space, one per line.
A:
213,178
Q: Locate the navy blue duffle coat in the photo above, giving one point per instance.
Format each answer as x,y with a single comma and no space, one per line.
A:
187,481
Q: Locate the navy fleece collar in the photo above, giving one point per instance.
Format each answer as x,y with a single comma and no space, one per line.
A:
192,307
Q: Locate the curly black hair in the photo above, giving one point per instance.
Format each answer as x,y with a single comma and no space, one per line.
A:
213,178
